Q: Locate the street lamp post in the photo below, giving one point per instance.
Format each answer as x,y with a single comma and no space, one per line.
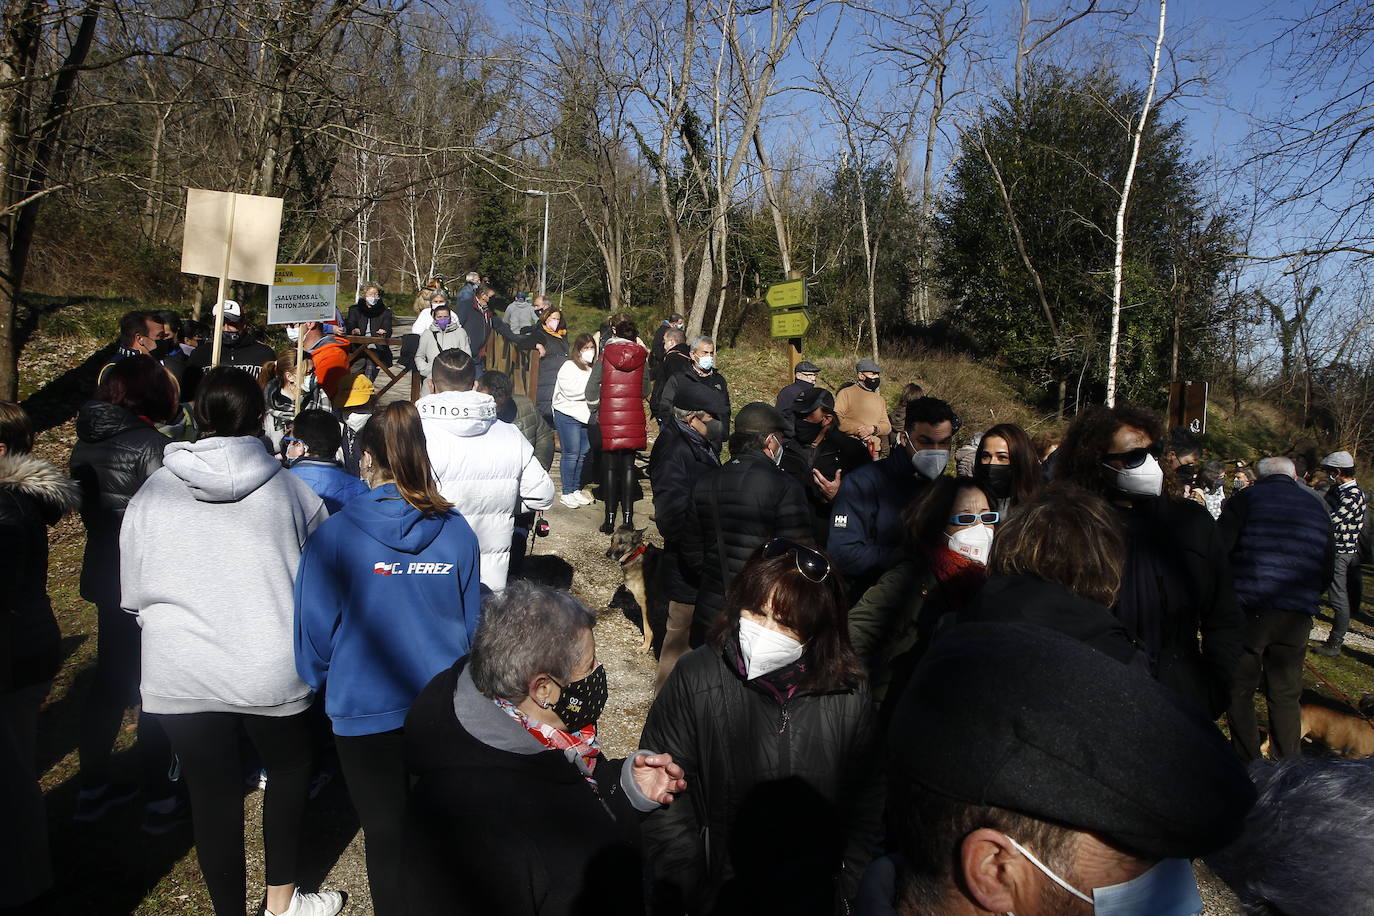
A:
544,256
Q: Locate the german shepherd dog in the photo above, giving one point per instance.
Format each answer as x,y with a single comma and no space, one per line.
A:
639,596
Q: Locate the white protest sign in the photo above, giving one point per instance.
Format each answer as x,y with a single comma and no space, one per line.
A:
303,292
231,236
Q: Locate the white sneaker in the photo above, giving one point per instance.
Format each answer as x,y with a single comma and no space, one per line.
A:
325,903
570,501
582,498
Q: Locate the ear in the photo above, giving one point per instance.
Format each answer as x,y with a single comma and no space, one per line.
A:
994,874
543,690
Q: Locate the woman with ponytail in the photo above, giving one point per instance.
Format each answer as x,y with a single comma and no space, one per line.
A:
387,596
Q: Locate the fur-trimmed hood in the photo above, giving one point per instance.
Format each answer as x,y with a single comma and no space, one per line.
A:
40,480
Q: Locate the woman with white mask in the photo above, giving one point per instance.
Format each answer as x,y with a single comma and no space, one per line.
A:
772,721
282,380
1176,580
571,414
949,538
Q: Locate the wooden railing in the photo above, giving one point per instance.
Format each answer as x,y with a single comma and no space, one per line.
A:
521,366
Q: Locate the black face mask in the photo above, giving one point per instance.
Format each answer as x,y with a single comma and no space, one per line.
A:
581,702
162,347
997,477
870,383
715,430
232,337
807,430
1186,474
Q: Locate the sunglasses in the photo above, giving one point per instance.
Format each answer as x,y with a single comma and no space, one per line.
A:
810,563
970,518
1135,457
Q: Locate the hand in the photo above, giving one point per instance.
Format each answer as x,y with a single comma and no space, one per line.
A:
1198,497
828,487
540,348
658,777
356,333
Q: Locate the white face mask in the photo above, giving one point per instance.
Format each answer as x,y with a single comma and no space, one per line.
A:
1168,888
371,300
765,650
1146,479
356,421
706,363
930,462
293,333
588,355
974,542
777,456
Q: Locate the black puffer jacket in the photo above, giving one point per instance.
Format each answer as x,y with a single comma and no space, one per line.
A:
555,355
766,777
733,511
680,457
115,452
33,495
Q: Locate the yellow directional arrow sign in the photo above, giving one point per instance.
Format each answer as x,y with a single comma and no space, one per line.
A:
790,324
786,295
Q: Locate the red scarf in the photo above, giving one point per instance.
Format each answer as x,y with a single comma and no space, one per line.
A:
960,578
584,741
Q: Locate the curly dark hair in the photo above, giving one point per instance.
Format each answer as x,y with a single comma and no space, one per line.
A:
1089,440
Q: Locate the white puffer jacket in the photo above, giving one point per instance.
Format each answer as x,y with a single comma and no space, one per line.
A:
486,468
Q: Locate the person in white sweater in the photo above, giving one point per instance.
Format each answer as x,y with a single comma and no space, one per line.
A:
571,414
208,553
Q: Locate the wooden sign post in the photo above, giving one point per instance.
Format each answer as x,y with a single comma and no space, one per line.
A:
231,237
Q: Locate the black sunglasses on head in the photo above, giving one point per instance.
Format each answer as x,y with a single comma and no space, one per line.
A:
1136,456
810,563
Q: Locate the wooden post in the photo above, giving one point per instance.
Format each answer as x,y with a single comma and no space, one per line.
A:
794,354
300,358
223,286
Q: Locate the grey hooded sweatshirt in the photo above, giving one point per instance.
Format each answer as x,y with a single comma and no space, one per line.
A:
218,628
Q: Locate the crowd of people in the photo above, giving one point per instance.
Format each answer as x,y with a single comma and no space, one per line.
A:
905,668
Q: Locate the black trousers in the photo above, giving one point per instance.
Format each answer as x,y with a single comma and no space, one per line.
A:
374,768
1275,644
618,483
208,745
118,668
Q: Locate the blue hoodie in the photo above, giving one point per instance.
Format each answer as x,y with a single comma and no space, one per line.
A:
330,482
386,598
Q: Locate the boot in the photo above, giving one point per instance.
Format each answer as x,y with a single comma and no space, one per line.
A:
627,489
608,493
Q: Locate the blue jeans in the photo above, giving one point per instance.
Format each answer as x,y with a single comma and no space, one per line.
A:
572,435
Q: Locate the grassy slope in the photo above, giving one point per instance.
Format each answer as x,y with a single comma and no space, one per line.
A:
113,868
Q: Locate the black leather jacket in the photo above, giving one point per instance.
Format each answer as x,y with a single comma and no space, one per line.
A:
115,452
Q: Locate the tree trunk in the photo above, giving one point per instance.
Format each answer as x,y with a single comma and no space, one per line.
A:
1118,260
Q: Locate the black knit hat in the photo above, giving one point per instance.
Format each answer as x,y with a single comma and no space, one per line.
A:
1020,717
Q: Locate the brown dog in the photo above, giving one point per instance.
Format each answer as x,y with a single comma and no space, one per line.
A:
1347,735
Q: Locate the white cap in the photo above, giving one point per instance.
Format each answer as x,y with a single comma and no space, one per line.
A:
232,310
1341,459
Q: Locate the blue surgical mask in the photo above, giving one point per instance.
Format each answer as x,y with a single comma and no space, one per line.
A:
442,323
706,363
1168,888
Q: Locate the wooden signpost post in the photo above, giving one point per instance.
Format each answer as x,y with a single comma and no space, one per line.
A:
232,237
789,319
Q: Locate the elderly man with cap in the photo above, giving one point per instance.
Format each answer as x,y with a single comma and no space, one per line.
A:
818,455
861,409
805,379
1279,542
239,349
1031,774
1349,511
682,454
737,508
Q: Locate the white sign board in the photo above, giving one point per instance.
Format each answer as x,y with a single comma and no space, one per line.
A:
231,236
303,292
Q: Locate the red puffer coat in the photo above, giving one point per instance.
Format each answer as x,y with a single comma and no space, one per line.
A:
622,396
